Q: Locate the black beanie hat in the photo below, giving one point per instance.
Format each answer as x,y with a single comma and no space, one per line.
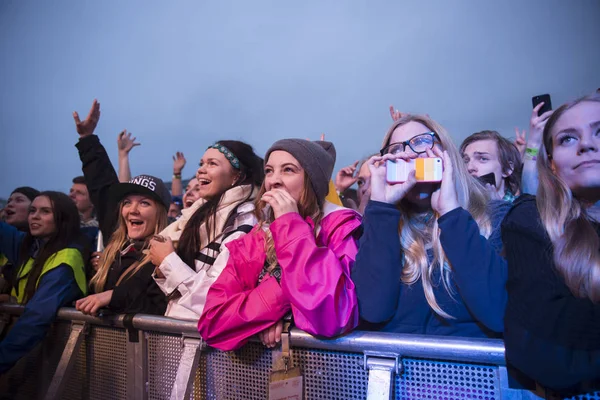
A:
317,159
27,191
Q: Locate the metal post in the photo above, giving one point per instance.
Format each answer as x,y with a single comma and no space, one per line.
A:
381,372
186,371
67,360
137,365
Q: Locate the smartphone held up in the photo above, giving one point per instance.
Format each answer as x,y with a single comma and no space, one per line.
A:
545,98
426,170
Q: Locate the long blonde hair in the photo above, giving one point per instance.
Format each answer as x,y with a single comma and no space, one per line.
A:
472,196
114,247
308,206
565,218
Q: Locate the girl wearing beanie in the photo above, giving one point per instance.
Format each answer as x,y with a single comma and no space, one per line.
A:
129,214
229,178
298,258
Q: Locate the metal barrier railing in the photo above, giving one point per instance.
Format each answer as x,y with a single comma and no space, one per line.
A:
151,357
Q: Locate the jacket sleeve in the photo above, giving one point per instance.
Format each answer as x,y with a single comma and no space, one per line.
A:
192,285
57,288
378,267
99,176
10,242
236,308
315,279
478,270
139,294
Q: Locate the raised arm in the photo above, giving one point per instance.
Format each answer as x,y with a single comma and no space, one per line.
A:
97,169
178,165
125,143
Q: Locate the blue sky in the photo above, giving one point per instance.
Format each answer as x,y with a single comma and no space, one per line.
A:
180,75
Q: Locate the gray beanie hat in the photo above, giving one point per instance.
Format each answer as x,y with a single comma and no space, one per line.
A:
317,159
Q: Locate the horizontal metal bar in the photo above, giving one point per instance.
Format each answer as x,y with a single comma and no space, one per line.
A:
484,351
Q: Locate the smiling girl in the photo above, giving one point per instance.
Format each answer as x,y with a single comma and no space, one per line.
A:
227,183
552,244
129,214
49,273
298,258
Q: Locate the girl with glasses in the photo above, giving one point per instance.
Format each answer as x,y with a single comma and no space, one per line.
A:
425,264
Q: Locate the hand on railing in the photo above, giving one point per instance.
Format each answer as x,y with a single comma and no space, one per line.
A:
272,335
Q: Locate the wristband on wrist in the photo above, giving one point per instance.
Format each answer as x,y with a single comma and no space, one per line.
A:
176,176
531,153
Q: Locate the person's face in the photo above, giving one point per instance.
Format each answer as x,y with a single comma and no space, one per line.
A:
80,196
140,214
364,187
575,143
174,211
17,210
192,193
481,158
283,171
41,218
420,194
215,174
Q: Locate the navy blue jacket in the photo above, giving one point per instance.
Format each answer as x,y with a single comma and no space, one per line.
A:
397,307
550,335
57,288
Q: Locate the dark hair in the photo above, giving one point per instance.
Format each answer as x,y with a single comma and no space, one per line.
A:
252,173
67,233
27,191
79,180
508,154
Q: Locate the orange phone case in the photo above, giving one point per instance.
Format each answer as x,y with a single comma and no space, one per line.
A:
427,170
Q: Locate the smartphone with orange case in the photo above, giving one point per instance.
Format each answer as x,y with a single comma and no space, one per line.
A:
427,170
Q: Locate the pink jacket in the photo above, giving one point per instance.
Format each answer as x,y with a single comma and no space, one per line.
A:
315,281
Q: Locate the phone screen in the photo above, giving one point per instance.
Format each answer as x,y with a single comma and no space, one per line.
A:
488,178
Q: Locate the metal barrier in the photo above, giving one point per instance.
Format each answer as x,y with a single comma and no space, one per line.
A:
150,357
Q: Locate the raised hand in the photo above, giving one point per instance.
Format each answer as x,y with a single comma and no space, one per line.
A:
521,141
536,126
445,198
126,142
272,335
280,201
345,177
178,162
386,192
395,114
87,126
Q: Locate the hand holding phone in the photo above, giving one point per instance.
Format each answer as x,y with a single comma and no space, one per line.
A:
535,100
426,170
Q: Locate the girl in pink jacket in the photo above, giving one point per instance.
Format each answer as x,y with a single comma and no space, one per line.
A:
298,258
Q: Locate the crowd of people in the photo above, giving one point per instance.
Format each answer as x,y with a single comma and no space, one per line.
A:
505,245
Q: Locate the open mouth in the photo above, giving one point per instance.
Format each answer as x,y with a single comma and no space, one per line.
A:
34,226
188,203
9,213
203,182
136,222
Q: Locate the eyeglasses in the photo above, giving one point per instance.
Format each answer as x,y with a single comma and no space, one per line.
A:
418,144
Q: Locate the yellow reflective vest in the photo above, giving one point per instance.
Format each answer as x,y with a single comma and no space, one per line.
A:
69,256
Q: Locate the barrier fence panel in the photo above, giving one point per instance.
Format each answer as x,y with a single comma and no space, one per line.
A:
160,358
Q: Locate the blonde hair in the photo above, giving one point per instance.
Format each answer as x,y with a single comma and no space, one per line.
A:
472,196
114,247
308,206
566,221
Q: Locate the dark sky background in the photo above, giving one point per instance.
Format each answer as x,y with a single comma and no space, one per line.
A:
182,74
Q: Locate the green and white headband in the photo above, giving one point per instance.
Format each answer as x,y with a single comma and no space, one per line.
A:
233,160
